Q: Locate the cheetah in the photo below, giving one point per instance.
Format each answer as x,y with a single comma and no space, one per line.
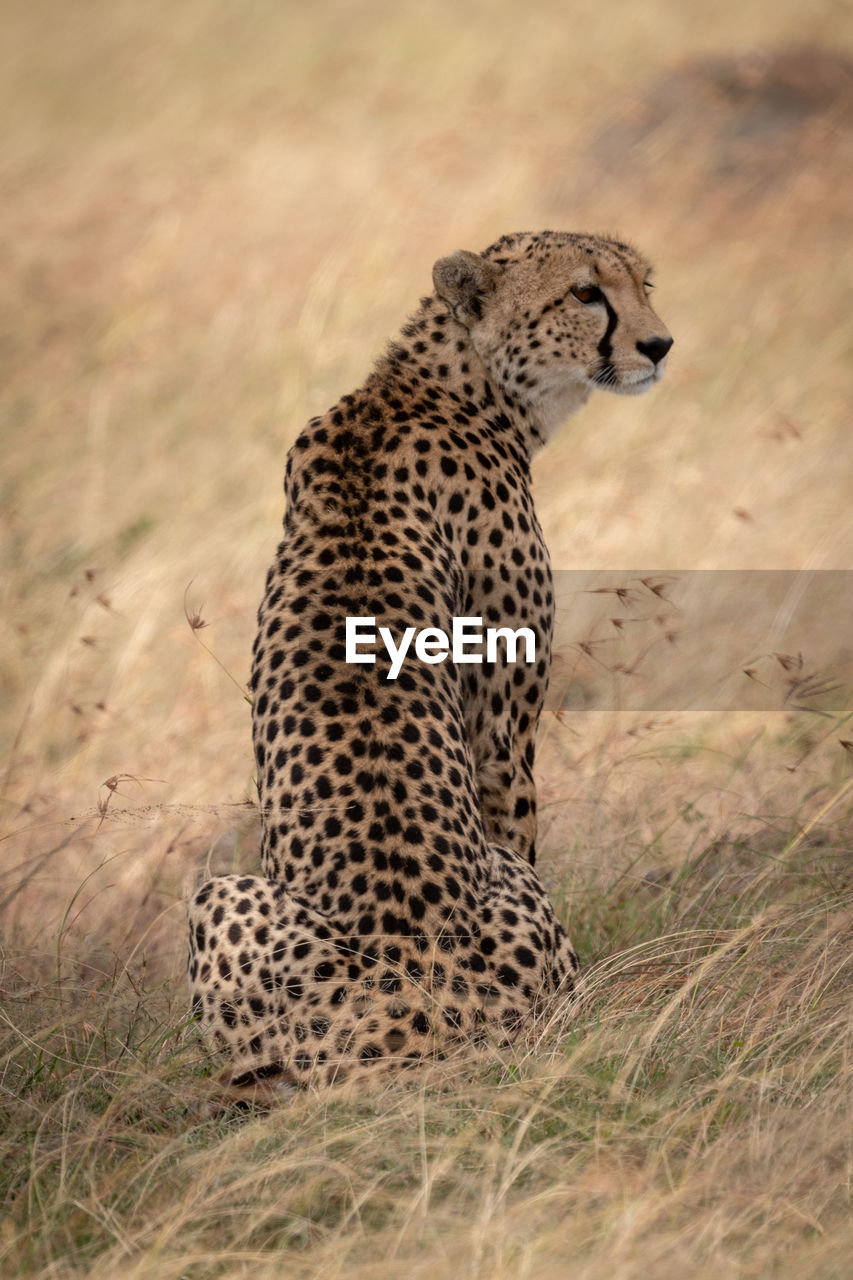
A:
399,911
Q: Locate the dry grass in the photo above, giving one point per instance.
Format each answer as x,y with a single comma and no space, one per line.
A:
212,217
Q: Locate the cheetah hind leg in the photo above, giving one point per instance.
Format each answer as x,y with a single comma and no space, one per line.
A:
530,971
253,1091
263,968
292,1001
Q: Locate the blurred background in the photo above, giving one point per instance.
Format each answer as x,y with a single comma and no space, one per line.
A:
214,215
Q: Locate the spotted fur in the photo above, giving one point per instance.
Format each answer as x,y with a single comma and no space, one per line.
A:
398,910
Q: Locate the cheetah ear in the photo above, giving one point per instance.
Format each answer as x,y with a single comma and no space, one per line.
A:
465,281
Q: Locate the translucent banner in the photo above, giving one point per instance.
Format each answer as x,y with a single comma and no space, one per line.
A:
703,640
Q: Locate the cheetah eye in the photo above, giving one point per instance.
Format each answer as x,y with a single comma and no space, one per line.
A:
586,293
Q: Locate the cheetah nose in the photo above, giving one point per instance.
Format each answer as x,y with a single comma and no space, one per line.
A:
655,348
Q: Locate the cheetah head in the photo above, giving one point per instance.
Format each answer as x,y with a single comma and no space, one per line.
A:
553,316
